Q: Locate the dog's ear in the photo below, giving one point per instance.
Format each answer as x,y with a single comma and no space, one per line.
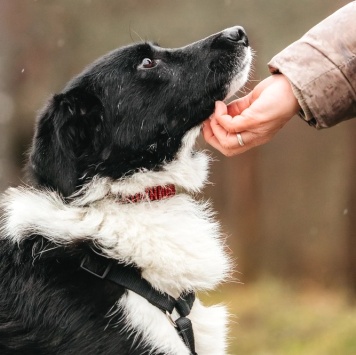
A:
66,133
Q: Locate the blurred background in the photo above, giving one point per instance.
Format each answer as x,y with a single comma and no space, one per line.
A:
288,207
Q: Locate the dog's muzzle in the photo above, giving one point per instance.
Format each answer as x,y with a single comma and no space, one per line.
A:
236,34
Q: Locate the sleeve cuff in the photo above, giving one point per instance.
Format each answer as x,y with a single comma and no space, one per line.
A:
304,112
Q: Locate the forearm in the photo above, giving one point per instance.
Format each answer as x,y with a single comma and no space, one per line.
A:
322,69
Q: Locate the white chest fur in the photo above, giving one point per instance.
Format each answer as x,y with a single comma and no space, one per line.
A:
175,242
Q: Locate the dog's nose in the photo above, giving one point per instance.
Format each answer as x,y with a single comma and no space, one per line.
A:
236,34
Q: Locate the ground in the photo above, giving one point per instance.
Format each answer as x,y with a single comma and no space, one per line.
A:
271,318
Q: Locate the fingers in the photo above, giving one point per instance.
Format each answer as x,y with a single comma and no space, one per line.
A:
236,117
220,131
236,107
227,143
236,124
226,114
210,137
257,117
208,133
228,140
220,108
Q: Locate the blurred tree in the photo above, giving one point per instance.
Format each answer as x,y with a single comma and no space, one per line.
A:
350,211
237,196
280,204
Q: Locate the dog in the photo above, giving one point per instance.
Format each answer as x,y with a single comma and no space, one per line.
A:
107,231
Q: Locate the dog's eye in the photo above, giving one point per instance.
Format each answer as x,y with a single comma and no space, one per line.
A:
148,63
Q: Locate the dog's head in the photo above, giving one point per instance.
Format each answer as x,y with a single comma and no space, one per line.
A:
130,110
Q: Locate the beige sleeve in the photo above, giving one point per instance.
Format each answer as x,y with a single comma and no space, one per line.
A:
321,67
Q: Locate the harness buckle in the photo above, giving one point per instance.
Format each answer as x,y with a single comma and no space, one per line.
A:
100,275
169,316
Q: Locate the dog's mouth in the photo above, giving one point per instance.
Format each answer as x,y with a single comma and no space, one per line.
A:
230,61
130,111
242,75
186,83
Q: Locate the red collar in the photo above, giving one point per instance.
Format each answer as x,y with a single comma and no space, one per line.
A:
152,194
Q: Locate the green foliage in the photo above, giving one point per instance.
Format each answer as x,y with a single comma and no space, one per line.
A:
271,318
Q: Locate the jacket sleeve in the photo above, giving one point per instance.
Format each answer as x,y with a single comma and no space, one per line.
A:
321,67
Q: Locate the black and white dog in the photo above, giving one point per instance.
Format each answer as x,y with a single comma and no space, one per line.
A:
107,230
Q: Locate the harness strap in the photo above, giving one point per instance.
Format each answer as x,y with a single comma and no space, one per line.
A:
130,278
185,330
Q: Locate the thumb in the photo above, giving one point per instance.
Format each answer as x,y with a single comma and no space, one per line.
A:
237,106
240,123
220,109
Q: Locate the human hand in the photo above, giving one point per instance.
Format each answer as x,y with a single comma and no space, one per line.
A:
257,117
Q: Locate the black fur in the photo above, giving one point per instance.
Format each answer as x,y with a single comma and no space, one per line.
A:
50,306
113,119
117,117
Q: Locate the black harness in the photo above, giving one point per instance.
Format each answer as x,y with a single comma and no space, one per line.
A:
130,278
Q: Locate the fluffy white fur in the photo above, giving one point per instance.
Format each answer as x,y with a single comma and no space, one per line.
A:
242,76
174,241
209,325
188,171
152,324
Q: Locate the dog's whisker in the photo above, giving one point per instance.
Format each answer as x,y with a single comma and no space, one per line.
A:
137,34
113,226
